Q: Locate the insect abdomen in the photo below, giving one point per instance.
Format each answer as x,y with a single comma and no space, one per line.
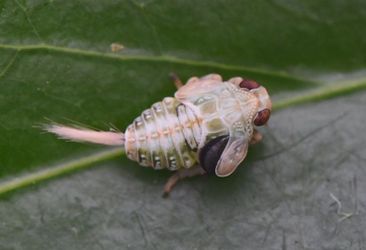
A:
164,136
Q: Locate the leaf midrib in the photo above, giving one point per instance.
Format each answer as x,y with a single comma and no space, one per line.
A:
342,88
88,161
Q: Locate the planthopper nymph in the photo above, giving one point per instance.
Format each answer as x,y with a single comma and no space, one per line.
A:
205,128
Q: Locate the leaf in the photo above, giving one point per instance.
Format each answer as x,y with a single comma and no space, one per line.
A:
56,63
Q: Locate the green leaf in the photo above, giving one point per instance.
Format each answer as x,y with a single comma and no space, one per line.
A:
56,63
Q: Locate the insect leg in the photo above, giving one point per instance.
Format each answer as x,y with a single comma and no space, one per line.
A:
179,175
257,137
177,82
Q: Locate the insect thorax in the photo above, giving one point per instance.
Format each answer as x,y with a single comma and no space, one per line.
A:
226,108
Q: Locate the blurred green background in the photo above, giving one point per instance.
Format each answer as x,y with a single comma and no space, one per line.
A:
56,63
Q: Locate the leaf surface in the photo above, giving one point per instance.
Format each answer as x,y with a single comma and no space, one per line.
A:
56,63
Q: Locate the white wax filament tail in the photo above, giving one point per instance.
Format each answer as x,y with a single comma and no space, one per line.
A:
86,135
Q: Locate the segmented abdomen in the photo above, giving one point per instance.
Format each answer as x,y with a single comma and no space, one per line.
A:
164,136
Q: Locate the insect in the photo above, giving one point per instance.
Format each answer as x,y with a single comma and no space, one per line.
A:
205,128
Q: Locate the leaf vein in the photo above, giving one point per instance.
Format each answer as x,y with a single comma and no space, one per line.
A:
150,58
24,10
9,64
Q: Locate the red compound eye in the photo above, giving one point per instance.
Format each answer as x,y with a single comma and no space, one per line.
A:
262,117
249,84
